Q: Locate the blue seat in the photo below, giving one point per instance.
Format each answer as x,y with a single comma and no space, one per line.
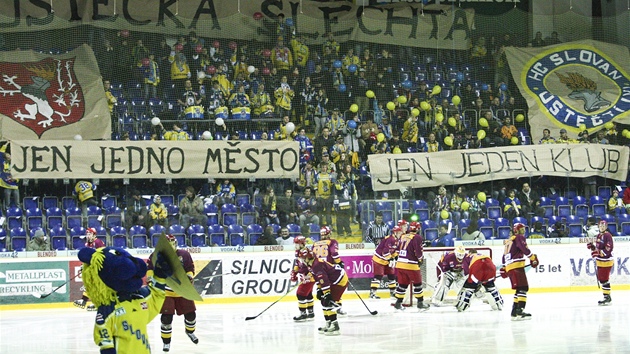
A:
563,207
294,230
113,217
108,202
94,216
50,202
242,199
119,236
154,233
58,238
547,205
54,217
73,217
254,232
248,214
179,232
216,234
212,212
580,207
101,233
34,218
173,214
236,235
30,203
138,235
462,226
598,205
168,199
196,235
604,192
14,217
3,239
18,239
421,208
623,220
387,209
486,226
229,214
430,230
314,232
77,235
574,226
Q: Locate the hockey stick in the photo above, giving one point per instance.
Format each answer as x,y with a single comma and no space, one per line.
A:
373,313
42,296
273,303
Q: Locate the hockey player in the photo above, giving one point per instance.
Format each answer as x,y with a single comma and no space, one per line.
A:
410,256
383,262
332,281
91,241
304,291
449,273
480,271
514,255
601,250
175,303
326,249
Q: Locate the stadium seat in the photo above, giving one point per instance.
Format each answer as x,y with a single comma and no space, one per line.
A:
154,233
58,238
18,239
179,232
77,235
216,234
30,203
50,202
313,232
34,218
113,217
73,217
486,226
54,217
212,212
196,235
236,235
430,230
229,214
94,216
248,214
254,232
138,235
3,239
119,236
14,217
294,230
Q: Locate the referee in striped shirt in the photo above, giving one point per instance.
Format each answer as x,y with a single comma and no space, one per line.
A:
377,230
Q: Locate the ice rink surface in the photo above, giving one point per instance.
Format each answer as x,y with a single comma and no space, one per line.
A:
561,323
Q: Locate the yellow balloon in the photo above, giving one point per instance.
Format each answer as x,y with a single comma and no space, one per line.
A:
625,133
514,140
456,100
609,125
452,122
483,122
391,106
425,105
481,196
402,99
439,117
582,127
415,112
448,141
380,137
465,206
436,90
354,108
369,94
520,118
481,134
444,214
396,151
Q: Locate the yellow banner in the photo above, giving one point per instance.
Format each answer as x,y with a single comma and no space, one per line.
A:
409,24
52,96
573,86
154,159
420,170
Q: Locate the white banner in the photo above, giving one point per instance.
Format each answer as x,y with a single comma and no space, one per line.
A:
419,170
154,159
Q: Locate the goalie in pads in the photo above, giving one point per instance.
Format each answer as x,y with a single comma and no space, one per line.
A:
480,271
449,270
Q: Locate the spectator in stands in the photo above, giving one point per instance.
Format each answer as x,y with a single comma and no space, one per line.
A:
472,232
284,238
307,208
123,62
191,209
511,205
39,242
530,201
431,145
136,210
441,203
385,127
84,192
7,182
553,39
308,175
325,190
600,137
261,101
151,75
410,132
111,101
287,208
225,193
331,43
508,131
177,133
105,55
339,151
284,97
281,57
558,229
564,138
188,96
269,208
239,98
583,137
158,214
538,231
323,143
538,40
305,109
547,138
456,205
180,71
267,238
442,234
479,51
615,204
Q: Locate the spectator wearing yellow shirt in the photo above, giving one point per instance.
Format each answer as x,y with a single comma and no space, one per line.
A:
157,212
175,134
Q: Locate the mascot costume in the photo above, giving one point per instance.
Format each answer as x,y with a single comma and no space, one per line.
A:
113,278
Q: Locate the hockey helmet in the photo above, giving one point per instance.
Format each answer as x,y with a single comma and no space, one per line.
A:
172,240
415,226
396,229
518,229
402,222
460,252
325,231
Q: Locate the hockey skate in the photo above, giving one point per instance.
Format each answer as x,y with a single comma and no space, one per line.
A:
301,318
422,306
324,328
80,303
310,316
373,295
398,305
607,301
192,337
91,307
521,316
333,329
166,347
340,311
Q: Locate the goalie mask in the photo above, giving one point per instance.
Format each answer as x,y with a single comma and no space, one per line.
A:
460,252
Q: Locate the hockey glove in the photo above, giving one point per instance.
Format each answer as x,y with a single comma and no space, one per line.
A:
327,300
342,265
595,253
162,269
590,246
320,294
534,260
503,272
294,276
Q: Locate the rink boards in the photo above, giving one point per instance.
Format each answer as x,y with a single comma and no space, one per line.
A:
231,274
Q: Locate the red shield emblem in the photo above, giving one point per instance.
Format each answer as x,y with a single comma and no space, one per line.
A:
41,95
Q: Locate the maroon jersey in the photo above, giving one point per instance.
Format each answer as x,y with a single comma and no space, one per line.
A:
515,252
327,250
450,263
327,274
409,252
187,262
386,250
97,243
604,249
